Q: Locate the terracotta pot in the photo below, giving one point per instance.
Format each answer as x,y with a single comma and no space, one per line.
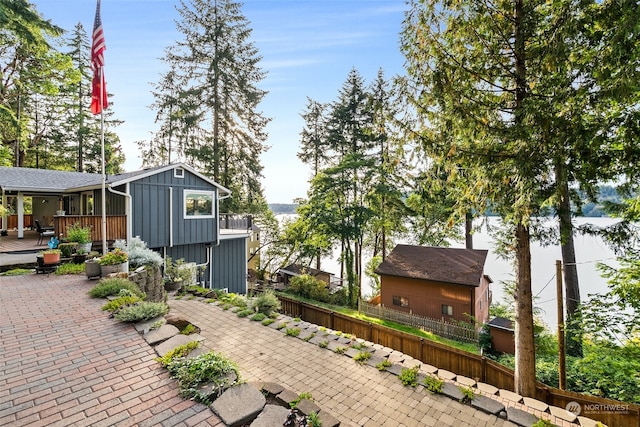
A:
51,258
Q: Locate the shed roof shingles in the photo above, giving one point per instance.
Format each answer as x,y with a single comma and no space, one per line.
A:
446,265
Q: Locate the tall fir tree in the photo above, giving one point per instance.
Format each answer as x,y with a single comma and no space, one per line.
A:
208,101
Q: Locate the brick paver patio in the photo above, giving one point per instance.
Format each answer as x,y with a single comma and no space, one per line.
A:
64,362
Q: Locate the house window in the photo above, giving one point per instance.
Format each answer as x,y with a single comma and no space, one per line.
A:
198,204
447,309
178,173
401,301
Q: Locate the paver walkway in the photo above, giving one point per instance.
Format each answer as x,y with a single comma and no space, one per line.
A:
64,362
356,395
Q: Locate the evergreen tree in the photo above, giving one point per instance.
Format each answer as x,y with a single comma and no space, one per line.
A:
207,102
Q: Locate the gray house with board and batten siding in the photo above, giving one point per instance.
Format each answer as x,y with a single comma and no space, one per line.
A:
173,208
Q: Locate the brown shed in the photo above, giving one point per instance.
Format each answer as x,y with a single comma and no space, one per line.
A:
436,282
502,335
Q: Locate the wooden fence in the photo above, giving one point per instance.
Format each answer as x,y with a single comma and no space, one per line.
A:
454,330
610,412
12,222
116,225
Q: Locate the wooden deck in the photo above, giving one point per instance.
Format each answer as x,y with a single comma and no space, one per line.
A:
29,242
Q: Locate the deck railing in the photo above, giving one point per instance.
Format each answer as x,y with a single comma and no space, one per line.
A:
116,225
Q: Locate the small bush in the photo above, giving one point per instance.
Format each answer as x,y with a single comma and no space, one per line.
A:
341,350
69,268
313,420
143,311
189,329
324,344
542,423
292,332
468,394
206,368
309,287
258,317
267,302
382,366
112,286
409,376
433,384
362,357
139,254
267,322
244,313
180,351
119,302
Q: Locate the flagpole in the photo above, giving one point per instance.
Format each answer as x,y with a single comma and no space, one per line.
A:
104,175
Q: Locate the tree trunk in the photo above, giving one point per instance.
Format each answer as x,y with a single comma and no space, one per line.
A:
468,227
571,284
525,371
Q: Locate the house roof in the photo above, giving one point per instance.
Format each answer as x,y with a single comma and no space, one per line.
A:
501,323
297,269
31,180
437,264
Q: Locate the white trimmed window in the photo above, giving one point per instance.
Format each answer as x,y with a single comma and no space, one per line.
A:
199,204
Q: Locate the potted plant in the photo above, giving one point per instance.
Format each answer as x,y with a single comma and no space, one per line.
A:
67,249
92,268
176,274
81,235
79,256
51,256
114,262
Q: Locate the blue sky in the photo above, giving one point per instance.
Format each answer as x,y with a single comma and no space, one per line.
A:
307,46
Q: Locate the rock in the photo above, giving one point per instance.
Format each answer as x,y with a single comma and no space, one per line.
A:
161,334
563,414
520,417
285,397
535,404
177,321
395,369
306,407
486,404
452,391
173,342
213,390
509,395
145,326
239,405
272,388
327,419
272,415
447,375
487,388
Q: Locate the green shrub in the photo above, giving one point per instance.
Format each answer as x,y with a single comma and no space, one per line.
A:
324,344
189,329
180,351
267,322
206,368
362,357
341,350
409,376
267,302
258,317
142,311
112,286
467,393
69,268
309,287
433,384
245,312
542,423
313,420
292,332
66,249
119,302
382,366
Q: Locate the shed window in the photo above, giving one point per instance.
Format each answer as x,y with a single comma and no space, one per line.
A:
447,309
178,173
198,204
401,301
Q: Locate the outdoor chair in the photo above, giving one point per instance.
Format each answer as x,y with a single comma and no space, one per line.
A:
43,231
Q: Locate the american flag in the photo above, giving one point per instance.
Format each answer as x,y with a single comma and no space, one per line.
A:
99,90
